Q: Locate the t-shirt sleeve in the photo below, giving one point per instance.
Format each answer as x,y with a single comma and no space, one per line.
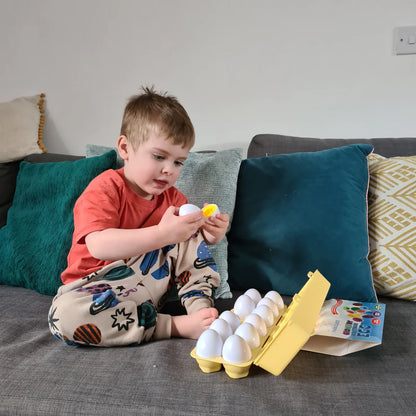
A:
97,208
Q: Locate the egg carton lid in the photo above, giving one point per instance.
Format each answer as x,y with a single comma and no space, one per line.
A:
296,326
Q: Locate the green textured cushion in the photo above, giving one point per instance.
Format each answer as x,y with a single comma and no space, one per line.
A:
37,237
212,178
301,212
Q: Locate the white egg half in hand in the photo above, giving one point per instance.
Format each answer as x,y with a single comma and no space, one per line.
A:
188,209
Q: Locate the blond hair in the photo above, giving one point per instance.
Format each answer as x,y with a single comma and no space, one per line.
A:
158,112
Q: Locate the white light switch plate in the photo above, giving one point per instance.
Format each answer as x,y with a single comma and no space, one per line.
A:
405,40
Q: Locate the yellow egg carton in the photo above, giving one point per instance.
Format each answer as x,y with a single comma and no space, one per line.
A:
285,338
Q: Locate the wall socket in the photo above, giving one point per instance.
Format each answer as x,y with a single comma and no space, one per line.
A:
405,40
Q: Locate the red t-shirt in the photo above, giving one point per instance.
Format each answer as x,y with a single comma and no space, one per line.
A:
108,202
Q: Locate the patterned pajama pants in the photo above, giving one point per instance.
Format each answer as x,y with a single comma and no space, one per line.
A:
118,304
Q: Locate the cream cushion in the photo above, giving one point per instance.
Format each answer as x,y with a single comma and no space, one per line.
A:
21,127
392,225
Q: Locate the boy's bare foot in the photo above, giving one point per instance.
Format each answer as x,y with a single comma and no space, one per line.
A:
193,325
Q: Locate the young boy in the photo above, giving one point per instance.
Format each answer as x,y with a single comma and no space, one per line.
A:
130,244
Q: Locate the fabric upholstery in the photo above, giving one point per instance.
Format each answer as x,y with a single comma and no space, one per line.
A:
301,212
37,237
21,127
392,225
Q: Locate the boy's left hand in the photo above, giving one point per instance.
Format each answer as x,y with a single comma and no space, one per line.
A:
215,228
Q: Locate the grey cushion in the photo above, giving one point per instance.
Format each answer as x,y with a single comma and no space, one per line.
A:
270,144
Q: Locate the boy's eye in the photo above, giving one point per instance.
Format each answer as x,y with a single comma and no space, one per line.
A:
177,163
158,157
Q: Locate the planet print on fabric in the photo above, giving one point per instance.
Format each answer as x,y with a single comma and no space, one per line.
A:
87,334
204,258
94,289
103,301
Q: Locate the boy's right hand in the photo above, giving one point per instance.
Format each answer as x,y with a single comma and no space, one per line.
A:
179,229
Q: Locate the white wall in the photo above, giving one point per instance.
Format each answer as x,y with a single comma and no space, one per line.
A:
322,68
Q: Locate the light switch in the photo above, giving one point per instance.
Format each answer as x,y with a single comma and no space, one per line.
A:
405,40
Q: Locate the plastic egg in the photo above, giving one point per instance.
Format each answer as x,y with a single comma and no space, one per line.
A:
243,306
268,302
210,210
187,209
249,333
266,313
236,350
276,298
231,318
222,327
209,344
254,294
258,323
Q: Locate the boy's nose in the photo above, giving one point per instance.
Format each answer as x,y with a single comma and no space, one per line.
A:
167,170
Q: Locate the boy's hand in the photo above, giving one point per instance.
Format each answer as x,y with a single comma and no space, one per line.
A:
178,229
215,228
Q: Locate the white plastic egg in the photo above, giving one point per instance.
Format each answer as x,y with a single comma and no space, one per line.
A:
231,318
276,298
187,209
258,323
209,344
243,306
254,294
249,333
266,313
236,350
268,302
222,327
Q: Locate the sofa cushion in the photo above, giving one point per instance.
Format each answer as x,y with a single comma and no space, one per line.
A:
300,212
209,177
37,237
8,174
392,225
21,127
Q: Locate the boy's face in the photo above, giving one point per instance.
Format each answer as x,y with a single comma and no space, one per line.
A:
154,166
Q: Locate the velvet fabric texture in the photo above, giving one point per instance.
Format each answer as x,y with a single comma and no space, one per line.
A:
301,212
37,237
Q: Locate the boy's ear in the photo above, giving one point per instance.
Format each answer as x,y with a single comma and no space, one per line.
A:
122,147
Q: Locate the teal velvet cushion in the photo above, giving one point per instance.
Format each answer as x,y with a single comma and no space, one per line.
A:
206,177
37,237
301,212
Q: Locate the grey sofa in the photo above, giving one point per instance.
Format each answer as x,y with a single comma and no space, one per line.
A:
41,376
